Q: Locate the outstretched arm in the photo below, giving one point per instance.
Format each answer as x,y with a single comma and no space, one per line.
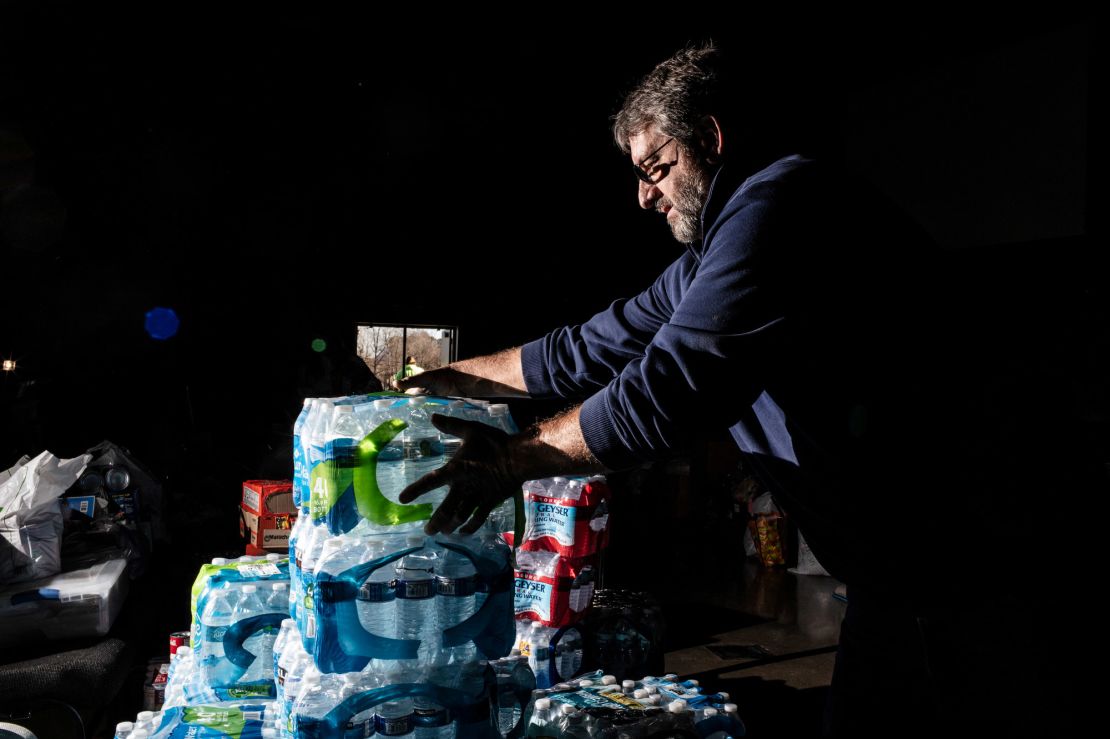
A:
492,465
494,375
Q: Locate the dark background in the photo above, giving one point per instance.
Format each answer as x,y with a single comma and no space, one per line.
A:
278,176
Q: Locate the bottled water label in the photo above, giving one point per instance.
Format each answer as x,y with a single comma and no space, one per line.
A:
457,586
566,517
548,518
376,592
259,570
389,726
430,716
534,595
364,728
579,598
215,633
416,589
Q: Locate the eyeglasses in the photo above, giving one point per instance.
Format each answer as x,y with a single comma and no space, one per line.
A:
648,175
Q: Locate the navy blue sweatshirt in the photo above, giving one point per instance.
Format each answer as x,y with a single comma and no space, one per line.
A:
796,324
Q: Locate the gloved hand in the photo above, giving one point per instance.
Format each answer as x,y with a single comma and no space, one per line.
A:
480,476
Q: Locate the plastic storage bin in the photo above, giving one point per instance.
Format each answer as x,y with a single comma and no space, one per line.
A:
70,604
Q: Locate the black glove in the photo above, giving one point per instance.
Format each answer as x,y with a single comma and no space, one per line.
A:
479,476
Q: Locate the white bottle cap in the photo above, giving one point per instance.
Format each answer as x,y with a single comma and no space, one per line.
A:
219,561
288,623
183,651
248,589
652,689
639,693
568,710
723,695
585,683
543,704
677,706
138,734
709,712
730,707
279,586
145,715
498,409
628,684
608,679
124,726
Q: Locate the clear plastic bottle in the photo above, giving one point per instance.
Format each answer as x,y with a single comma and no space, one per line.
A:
299,479
376,601
391,458
395,718
260,643
542,724
423,449
416,607
456,598
431,720
499,418
286,633
218,615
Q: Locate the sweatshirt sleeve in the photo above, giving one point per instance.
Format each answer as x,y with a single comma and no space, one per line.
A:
576,361
705,366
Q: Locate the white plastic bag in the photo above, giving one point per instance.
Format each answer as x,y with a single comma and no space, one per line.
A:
31,515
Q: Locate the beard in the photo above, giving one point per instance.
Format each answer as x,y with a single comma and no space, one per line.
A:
687,203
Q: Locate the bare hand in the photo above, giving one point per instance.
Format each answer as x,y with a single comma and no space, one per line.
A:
480,476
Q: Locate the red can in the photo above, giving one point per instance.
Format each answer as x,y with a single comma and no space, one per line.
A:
178,639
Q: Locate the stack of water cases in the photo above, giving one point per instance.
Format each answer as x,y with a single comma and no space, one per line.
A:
391,632
600,705
566,529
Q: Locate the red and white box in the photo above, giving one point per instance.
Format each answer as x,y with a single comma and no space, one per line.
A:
553,589
566,516
267,515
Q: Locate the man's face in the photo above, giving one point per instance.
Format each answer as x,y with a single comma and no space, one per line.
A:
681,182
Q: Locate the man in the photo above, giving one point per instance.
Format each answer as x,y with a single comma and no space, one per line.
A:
802,317
411,369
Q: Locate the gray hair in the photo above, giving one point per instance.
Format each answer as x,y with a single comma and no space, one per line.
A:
675,96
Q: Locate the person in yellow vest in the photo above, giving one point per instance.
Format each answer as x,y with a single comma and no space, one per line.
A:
410,369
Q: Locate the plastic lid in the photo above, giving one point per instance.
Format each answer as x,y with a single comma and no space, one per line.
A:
651,689
543,704
723,695
219,561
279,586
730,707
123,726
677,706
183,651
671,676
139,734
288,622
568,710
639,693
145,715
248,589
709,712
628,684
585,683
499,409
609,680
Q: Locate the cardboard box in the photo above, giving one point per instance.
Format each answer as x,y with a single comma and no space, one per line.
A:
267,515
